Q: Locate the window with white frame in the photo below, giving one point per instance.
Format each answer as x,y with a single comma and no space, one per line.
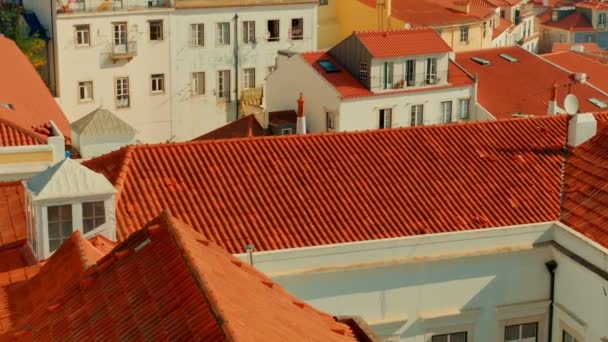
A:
223,33
156,29
387,75
601,20
85,91
249,78
198,83
452,337
197,32
93,215
330,121
464,34
273,30
385,117
59,224
527,332
410,70
248,32
363,71
416,115
566,337
158,83
431,71
297,29
223,86
122,92
83,35
463,109
446,111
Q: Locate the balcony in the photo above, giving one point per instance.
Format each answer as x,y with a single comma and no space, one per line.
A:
418,80
81,6
123,51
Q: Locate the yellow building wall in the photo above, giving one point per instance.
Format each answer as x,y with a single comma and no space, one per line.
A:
328,31
26,157
451,35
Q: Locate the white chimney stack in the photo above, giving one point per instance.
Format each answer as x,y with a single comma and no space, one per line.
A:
545,3
580,77
552,105
301,123
581,128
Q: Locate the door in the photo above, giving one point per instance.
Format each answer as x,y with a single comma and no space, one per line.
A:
120,38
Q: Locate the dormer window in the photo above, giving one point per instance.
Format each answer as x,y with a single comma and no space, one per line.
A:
410,72
431,71
93,215
60,225
362,71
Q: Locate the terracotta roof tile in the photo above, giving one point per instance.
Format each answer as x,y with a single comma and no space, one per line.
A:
12,214
12,135
525,86
397,43
240,128
503,25
33,104
564,47
592,4
574,22
348,87
597,72
321,189
162,283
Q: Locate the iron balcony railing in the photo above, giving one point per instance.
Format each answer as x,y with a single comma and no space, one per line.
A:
413,80
127,50
76,6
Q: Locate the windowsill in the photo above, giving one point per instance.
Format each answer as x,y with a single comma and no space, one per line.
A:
273,41
157,93
156,40
83,46
86,101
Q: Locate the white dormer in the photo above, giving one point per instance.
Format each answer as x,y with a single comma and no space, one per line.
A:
65,198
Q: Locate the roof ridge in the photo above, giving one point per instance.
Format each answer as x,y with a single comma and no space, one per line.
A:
124,168
22,130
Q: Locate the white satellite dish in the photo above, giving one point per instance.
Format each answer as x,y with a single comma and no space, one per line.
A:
571,104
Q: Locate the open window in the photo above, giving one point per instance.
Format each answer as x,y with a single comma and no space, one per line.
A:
273,30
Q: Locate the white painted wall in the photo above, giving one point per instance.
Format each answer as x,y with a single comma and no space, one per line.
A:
198,114
377,70
150,113
90,147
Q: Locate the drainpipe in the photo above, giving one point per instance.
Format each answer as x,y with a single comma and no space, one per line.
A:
236,65
249,249
551,267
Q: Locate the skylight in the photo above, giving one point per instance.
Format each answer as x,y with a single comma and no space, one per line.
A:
328,66
508,57
481,61
598,103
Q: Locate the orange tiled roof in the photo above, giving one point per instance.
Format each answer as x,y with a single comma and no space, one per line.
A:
597,72
348,87
592,4
34,106
397,43
525,86
586,188
587,47
12,135
503,25
323,189
161,283
573,22
241,128
12,214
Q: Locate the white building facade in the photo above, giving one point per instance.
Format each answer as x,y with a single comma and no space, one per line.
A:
164,68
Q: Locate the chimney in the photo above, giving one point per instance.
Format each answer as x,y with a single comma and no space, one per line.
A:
581,128
552,105
301,123
581,77
250,126
545,3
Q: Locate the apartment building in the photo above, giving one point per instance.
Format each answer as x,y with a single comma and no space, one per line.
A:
375,80
167,67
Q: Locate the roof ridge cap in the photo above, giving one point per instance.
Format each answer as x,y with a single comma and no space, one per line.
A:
124,170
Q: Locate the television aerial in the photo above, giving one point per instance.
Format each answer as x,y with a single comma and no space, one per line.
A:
571,104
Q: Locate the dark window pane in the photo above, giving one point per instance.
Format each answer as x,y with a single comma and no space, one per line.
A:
54,230
88,225
100,220
87,209
66,212
99,208
458,337
439,338
66,229
53,213
529,330
512,333
53,244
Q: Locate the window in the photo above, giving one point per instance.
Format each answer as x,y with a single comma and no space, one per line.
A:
198,34
463,109
93,215
122,92
248,32
223,86
588,38
431,71
158,83
464,34
223,34
601,20
388,75
156,30
562,38
83,35
385,118
60,225
454,337
198,83
273,30
416,115
120,37
323,2
410,70
566,337
85,91
522,332
330,118
297,29
446,111
249,78
362,71
483,29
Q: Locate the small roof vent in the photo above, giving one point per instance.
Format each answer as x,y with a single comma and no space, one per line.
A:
481,61
7,105
328,66
508,57
598,103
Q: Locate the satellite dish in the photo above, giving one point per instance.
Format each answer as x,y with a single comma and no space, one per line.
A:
571,104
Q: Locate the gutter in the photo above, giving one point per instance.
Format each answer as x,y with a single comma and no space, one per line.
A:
551,267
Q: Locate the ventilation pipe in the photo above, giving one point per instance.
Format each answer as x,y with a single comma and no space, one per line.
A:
552,105
301,123
551,267
250,254
581,128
